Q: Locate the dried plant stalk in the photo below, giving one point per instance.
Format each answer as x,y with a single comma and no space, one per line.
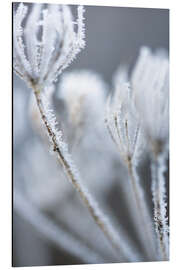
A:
158,168
40,67
150,79
60,148
142,209
124,128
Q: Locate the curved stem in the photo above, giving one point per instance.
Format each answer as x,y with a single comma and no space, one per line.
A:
158,168
144,214
60,148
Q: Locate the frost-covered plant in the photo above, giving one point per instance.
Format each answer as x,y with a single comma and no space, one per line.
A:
122,120
46,40
124,127
35,117
150,81
42,49
139,111
47,44
84,101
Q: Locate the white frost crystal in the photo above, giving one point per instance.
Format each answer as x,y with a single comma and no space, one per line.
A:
47,43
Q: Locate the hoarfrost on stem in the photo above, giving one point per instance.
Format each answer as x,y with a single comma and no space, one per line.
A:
150,80
124,126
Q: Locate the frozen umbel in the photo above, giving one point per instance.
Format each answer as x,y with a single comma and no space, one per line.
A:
45,41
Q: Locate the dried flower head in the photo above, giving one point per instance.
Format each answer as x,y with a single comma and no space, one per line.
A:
84,94
47,43
122,120
150,82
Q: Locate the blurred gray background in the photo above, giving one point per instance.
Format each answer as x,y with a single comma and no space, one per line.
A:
113,37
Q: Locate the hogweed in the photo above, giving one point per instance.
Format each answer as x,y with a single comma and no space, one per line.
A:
122,121
150,80
51,44
138,110
84,101
124,127
142,108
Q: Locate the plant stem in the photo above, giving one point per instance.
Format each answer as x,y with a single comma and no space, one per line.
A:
54,232
60,148
143,212
158,168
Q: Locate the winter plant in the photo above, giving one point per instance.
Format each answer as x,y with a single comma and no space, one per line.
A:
134,116
152,74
